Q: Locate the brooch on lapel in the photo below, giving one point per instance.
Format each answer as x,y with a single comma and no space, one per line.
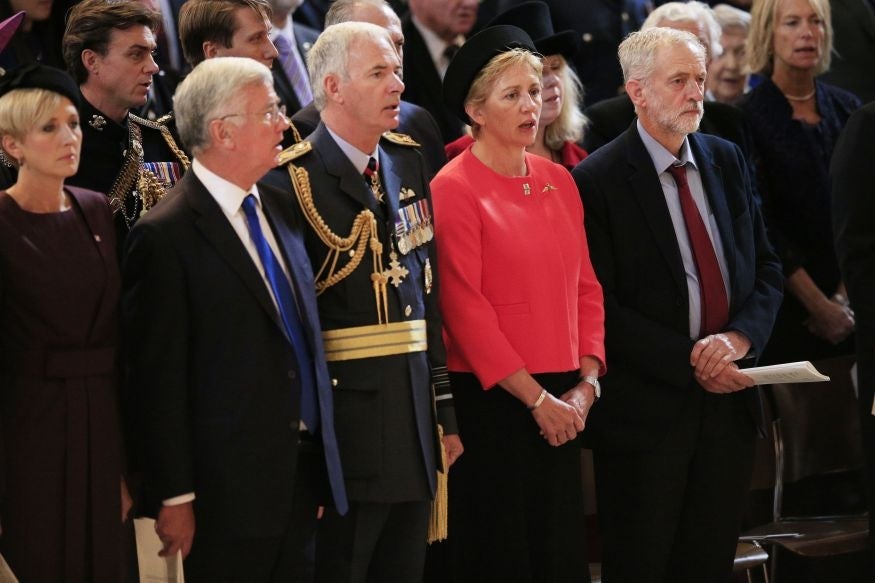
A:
406,193
98,122
548,187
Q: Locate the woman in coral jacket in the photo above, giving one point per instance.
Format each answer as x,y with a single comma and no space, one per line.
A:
523,323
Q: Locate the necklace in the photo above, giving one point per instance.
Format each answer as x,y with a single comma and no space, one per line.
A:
805,97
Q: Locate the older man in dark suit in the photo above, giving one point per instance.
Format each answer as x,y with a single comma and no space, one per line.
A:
225,364
691,287
609,118
435,29
413,120
364,192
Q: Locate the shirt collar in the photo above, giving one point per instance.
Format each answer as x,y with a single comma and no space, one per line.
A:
661,157
358,158
229,196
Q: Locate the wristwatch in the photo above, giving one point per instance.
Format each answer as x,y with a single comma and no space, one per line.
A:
594,381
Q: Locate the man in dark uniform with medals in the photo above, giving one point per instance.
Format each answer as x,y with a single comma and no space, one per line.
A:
109,50
363,191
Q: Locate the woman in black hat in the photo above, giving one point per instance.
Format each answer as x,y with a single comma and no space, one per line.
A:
561,124
523,324
60,446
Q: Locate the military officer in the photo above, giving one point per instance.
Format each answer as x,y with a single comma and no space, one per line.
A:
364,193
108,47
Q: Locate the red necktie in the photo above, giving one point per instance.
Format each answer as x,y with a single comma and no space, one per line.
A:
715,307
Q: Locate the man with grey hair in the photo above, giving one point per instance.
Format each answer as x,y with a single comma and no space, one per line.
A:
691,289
364,192
226,374
609,118
413,120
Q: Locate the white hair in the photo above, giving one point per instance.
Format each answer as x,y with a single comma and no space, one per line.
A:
206,92
329,55
638,51
692,11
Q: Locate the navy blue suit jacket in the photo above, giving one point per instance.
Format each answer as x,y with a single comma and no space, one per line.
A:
636,256
210,370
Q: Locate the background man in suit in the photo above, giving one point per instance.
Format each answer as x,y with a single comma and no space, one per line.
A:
377,304
853,208
611,117
434,31
413,120
691,286
226,373
234,28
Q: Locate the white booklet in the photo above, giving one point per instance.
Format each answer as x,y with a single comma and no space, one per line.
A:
6,574
790,372
155,569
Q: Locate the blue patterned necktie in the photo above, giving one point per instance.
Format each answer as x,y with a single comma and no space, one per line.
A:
288,309
294,69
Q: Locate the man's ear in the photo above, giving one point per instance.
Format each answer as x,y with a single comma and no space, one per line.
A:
635,91
331,85
210,49
90,60
221,133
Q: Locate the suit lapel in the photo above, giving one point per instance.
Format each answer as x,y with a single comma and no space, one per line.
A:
338,165
712,181
216,229
293,251
646,186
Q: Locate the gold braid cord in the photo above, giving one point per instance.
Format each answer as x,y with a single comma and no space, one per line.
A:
362,234
135,175
127,176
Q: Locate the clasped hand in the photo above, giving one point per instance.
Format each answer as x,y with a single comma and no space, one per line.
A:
562,419
714,359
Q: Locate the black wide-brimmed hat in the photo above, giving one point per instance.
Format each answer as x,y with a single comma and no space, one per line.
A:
473,56
534,18
36,76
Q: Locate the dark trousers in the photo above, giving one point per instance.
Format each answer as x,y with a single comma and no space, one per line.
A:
516,502
373,543
218,558
672,514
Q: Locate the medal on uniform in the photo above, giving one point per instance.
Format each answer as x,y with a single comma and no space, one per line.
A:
401,240
396,272
428,276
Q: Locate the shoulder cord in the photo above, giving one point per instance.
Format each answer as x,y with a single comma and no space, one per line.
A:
363,233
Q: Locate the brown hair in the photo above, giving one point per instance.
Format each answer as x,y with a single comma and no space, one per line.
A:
213,21
90,24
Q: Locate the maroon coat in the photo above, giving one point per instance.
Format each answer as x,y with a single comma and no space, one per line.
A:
59,432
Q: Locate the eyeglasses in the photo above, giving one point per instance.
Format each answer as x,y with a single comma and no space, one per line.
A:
271,116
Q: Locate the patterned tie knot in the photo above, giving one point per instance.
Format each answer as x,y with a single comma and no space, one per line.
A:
372,168
283,46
